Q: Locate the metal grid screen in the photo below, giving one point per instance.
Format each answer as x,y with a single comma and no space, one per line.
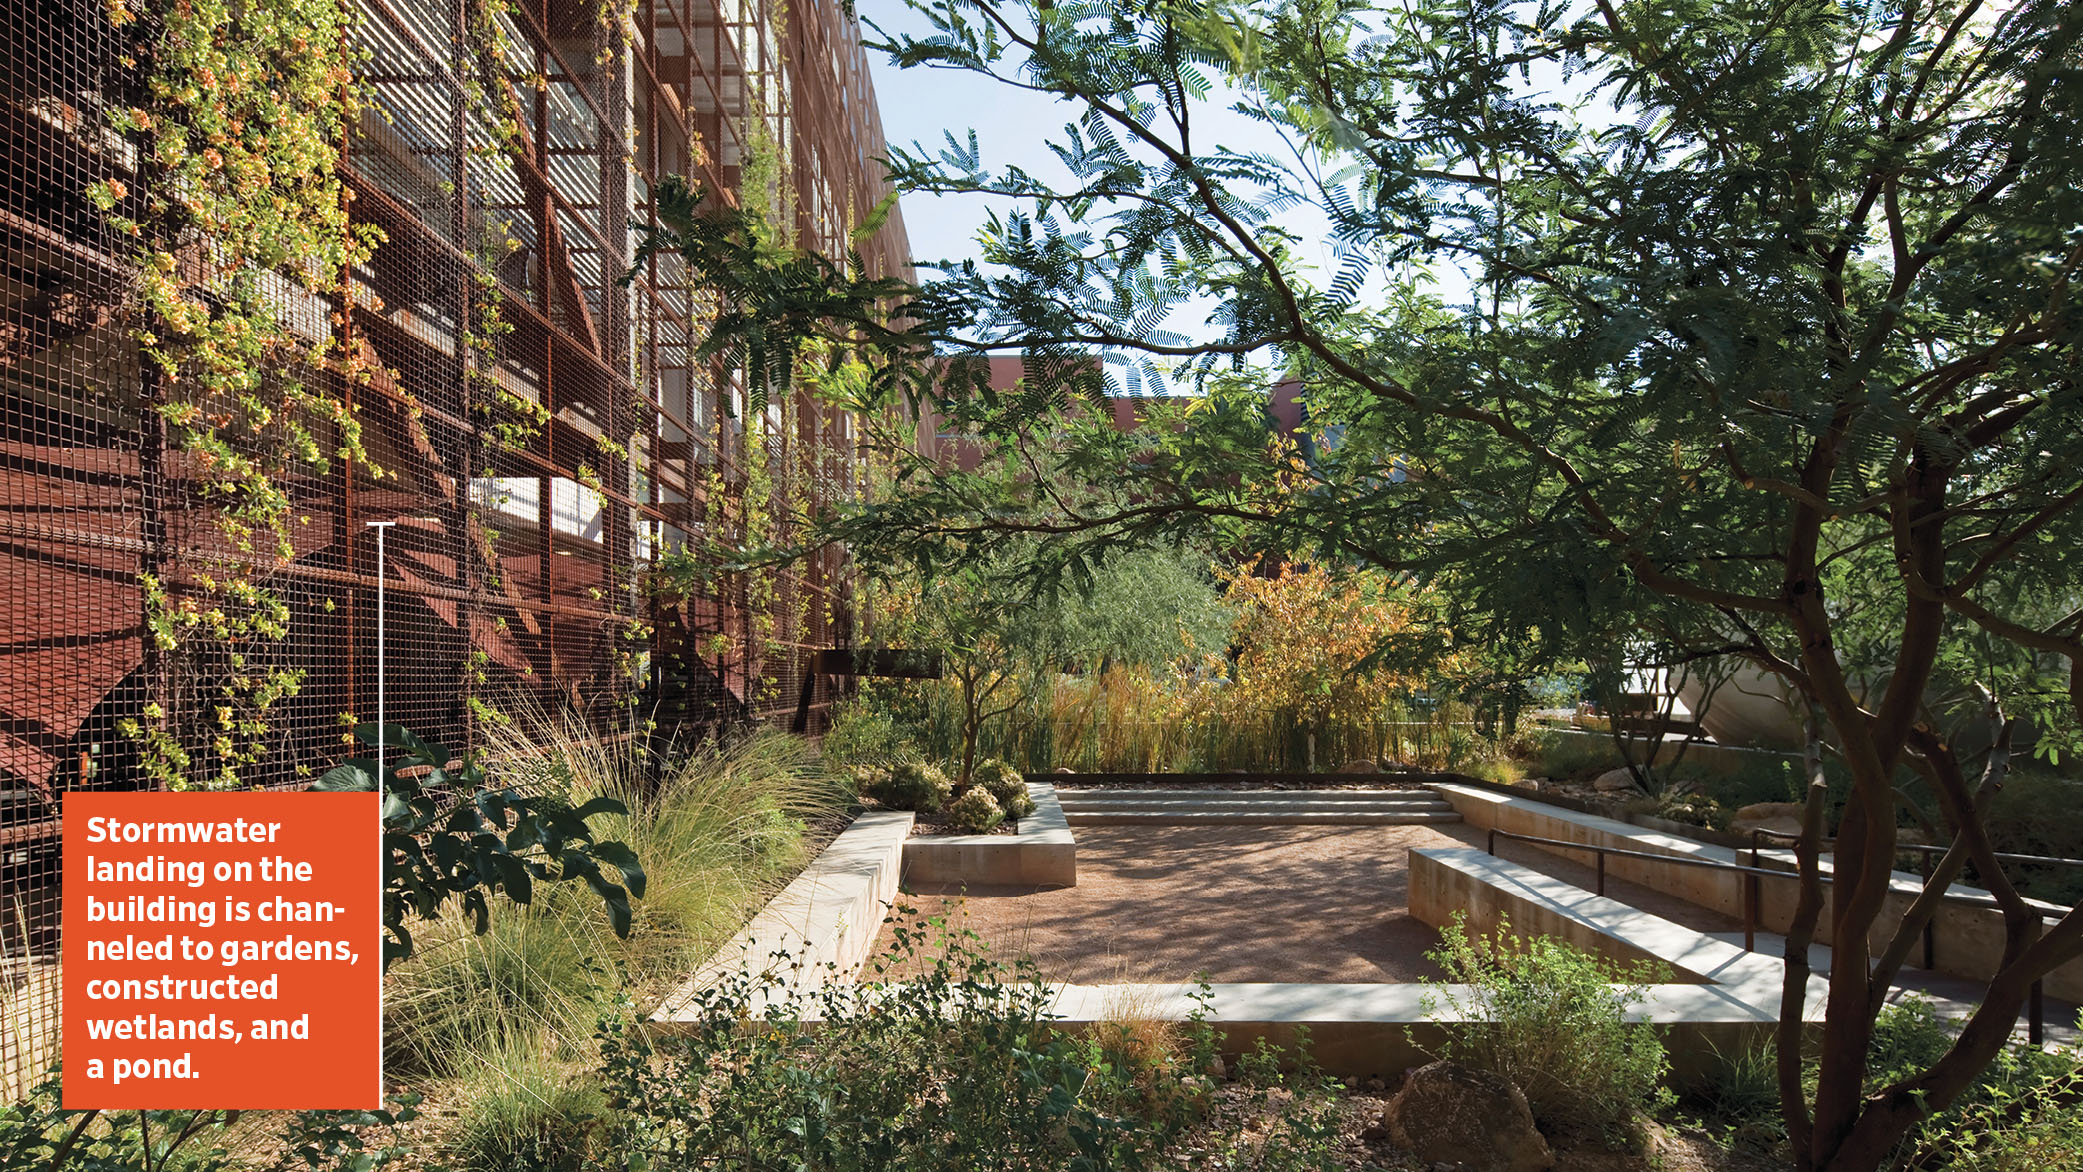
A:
543,429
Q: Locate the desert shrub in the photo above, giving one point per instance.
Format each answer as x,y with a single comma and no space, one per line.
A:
951,1068
865,732
2034,814
914,786
1001,779
2033,1132
1501,770
867,780
976,811
1553,1019
1910,1035
1017,805
1573,756
1005,784
1288,1118
1693,809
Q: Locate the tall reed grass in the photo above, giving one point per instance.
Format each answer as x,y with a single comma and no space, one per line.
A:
29,1024
1130,721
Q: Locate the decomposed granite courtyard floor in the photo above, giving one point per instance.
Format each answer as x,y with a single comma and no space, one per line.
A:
1282,903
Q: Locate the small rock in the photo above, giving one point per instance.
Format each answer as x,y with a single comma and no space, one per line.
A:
1613,781
1358,765
1216,1068
1374,1133
1448,1114
1065,769
1375,1084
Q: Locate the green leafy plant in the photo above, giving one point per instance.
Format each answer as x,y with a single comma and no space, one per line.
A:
953,1068
338,1141
35,1132
447,834
1288,1121
1554,1020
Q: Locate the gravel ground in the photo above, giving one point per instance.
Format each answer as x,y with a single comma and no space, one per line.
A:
1162,903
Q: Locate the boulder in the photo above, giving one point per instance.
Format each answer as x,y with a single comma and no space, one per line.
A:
1361,765
1759,811
1614,780
1781,818
1449,1113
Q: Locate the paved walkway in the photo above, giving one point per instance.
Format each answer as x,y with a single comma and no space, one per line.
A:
1322,904
1163,903
1952,996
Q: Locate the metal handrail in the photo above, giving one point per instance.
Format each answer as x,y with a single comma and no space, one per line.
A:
2036,1010
1759,833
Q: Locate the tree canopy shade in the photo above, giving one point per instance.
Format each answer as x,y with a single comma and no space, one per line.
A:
1766,348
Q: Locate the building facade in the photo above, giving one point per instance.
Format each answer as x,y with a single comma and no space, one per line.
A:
535,422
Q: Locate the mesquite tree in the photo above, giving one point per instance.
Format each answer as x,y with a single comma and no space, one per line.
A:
1738,328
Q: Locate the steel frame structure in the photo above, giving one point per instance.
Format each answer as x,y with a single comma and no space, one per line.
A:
515,567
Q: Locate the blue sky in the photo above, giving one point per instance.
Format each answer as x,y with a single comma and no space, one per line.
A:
1014,126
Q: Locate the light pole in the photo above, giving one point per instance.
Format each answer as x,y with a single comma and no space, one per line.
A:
382,733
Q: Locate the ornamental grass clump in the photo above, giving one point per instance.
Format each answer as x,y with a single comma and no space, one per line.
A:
923,788
1005,785
975,812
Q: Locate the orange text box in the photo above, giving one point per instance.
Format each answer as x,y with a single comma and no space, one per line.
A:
223,950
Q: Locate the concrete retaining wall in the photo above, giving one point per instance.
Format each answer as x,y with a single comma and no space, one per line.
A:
1042,854
1967,940
822,926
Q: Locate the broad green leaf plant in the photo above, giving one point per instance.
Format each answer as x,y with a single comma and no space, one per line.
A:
450,834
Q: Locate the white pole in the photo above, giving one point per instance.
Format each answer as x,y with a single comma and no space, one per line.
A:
381,738
382,735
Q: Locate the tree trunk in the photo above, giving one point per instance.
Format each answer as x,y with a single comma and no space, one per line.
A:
972,726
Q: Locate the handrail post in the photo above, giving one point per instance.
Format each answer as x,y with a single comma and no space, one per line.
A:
1493,840
1750,913
1930,940
2035,1029
1601,873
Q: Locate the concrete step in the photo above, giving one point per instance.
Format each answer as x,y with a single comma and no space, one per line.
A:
1125,807
1183,807
1236,816
1394,797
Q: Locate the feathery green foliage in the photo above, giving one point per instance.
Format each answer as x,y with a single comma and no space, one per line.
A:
1685,330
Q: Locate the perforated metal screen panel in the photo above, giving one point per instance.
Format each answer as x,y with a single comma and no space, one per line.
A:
543,428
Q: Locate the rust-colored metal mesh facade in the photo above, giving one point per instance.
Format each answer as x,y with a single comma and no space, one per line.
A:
543,429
